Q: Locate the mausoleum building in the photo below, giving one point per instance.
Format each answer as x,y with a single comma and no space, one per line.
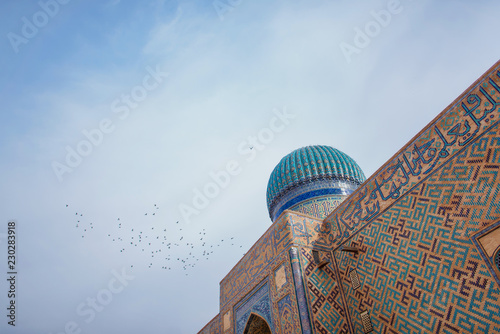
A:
415,248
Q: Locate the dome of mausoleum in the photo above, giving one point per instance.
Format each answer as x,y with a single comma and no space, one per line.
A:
309,172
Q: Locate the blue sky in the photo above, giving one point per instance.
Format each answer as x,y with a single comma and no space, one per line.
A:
199,86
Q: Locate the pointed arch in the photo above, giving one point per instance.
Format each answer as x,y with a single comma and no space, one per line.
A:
257,325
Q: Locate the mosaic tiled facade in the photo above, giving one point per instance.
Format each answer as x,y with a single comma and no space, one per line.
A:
415,249
319,207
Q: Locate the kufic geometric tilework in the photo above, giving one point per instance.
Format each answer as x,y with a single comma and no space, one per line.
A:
324,296
415,278
419,269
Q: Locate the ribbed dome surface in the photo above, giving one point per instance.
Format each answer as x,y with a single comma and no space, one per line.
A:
308,164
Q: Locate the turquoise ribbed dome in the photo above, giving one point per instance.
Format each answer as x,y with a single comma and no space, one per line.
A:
311,164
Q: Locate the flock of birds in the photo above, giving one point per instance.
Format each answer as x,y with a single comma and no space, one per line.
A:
169,246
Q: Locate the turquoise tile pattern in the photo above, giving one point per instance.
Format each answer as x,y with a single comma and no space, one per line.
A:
310,172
